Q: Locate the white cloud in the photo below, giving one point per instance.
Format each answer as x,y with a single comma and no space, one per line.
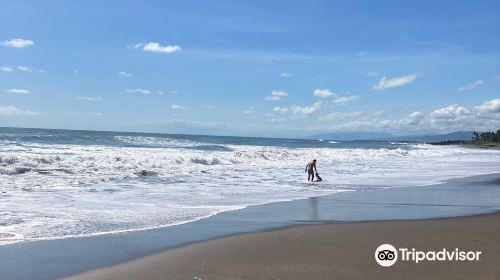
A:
123,74
362,53
323,93
178,107
451,111
161,92
138,90
276,95
89,98
454,117
13,111
249,110
492,106
386,83
416,115
281,119
298,110
354,125
415,118
279,93
281,109
6,69
272,98
17,43
136,46
338,100
25,69
344,100
496,78
306,110
17,90
472,85
339,116
20,68
286,75
156,47
483,117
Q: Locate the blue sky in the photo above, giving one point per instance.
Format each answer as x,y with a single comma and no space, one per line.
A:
262,68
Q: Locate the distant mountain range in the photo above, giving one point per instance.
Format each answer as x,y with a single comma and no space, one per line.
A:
454,136
348,136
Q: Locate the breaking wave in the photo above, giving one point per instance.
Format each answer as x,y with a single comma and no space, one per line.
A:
99,183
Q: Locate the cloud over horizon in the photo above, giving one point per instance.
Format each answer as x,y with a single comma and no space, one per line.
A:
14,111
454,117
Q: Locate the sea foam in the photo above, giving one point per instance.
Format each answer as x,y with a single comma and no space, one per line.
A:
59,190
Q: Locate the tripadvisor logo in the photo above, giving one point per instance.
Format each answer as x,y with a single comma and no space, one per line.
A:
387,255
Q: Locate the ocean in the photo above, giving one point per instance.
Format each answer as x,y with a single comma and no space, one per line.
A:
66,183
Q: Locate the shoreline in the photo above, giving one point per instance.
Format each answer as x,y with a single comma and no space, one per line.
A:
481,146
322,251
484,146
51,259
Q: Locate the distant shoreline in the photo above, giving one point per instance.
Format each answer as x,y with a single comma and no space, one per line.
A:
469,144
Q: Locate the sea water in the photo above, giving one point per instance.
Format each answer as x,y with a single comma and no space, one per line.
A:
63,183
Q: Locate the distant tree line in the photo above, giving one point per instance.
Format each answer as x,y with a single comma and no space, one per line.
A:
486,136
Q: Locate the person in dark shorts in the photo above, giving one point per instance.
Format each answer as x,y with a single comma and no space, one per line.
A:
311,169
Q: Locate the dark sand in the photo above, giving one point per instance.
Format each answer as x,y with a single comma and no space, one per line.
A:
329,251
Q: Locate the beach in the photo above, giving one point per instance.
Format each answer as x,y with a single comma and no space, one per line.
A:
330,251
74,202
335,248
211,140
310,238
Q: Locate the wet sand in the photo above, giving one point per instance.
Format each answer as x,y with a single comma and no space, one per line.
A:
328,251
310,247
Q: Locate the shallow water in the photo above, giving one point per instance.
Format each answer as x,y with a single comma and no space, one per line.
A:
58,183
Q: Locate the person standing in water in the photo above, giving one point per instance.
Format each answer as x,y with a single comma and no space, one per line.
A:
311,168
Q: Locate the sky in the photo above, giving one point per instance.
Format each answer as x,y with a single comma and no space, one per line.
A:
251,68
